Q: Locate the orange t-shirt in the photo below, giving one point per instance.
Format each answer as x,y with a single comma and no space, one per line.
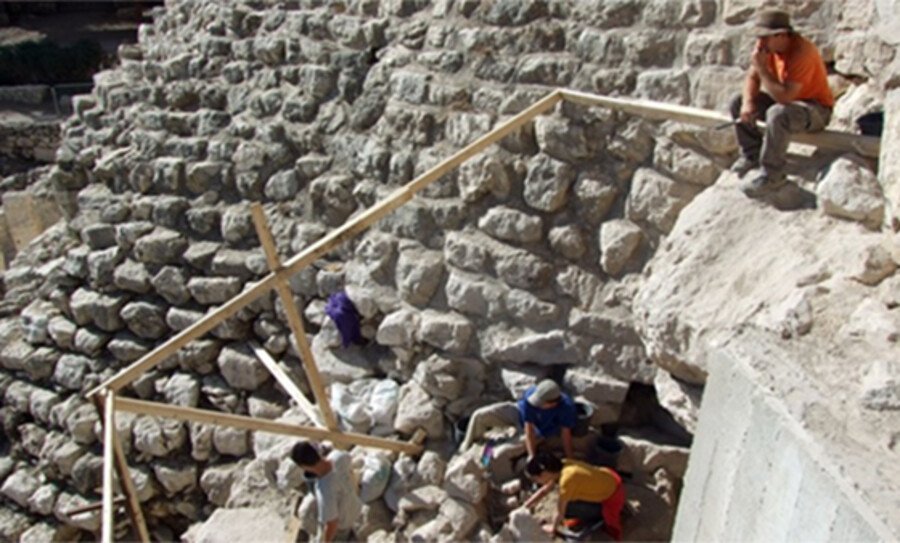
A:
803,64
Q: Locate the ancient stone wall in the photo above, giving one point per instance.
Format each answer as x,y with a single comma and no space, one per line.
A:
523,260
32,141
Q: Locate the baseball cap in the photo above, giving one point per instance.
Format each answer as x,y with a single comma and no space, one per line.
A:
545,391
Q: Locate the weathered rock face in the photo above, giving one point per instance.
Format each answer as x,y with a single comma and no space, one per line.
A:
530,256
819,262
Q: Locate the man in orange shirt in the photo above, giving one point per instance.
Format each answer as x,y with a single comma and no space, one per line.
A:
787,86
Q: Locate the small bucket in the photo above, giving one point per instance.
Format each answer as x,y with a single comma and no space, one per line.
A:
584,412
606,452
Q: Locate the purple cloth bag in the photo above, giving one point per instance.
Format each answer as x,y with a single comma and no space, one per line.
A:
345,316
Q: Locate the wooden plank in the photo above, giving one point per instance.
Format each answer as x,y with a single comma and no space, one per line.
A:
287,384
869,146
418,436
133,504
119,500
262,425
349,229
294,319
109,430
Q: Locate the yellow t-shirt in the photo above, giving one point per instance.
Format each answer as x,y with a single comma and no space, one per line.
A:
583,482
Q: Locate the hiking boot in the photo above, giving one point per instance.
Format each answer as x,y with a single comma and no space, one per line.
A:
743,165
763,183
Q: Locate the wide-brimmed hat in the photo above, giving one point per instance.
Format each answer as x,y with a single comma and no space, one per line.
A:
770,22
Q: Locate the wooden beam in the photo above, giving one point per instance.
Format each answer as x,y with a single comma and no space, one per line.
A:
134,503
418,436
333,239
864,145
109,430
293,314
119,500
262,425
287,384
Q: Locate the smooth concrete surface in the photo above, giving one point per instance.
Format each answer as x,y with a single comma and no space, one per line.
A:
756,474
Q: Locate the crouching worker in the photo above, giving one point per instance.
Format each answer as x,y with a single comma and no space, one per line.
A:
335,489
587,493
543,412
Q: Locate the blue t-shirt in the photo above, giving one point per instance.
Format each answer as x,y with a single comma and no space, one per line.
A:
548,422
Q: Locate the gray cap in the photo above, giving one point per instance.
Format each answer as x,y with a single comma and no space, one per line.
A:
545,391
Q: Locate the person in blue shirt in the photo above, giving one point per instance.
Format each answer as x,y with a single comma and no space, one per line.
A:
543,412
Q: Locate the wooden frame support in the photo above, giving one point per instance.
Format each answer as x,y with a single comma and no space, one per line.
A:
119,500
262,425
109,435
287,384
869,146
293,314
133,504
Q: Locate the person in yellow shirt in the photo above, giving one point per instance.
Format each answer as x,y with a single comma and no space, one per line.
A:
585,491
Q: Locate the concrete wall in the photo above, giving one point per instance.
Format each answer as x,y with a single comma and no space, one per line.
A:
754,474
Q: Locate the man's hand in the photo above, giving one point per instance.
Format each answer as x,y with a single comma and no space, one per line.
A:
549,528
759,57
748,112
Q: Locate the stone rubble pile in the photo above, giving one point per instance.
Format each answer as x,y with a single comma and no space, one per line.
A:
525,259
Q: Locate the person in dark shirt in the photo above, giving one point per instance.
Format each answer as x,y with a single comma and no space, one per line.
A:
543,412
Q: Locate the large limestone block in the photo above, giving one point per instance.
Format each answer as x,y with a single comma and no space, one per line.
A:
471,295
508,224
450,332
20,486
216,482
146,319
419,273
175,477
416,409
161,246
670,86
241,368
889,161
717,271
712,87
398,328
657,200
339,364
483,175
645,452
850,190
555,347
158,437
680,399
240,525
619,240
684,164
595,387
547,183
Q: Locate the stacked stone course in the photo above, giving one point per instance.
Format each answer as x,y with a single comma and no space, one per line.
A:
523,259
